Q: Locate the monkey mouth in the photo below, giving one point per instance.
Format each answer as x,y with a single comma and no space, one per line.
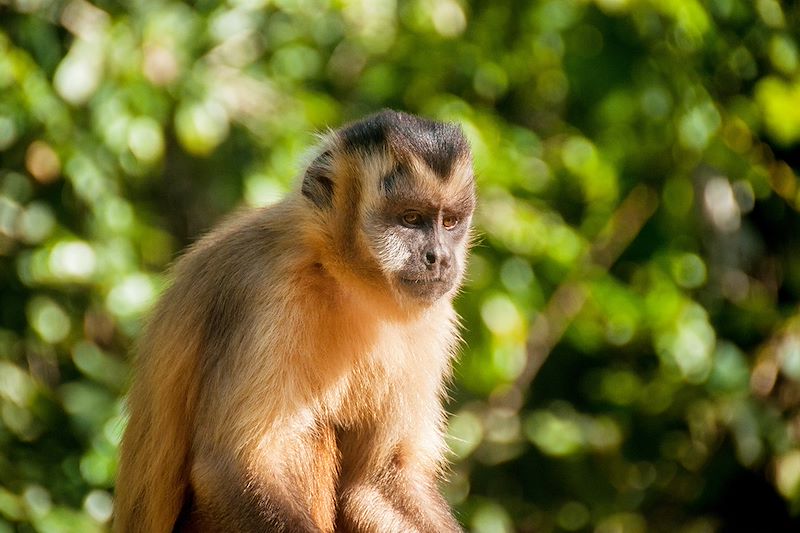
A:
422,288
420,281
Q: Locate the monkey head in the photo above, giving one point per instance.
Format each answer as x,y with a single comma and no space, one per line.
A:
396,194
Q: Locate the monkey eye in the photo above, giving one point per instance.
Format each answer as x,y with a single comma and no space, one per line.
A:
449,222
412,218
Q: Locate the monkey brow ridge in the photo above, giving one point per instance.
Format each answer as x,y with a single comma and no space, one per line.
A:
438,144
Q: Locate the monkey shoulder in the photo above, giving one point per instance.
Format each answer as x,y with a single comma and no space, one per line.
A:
240,256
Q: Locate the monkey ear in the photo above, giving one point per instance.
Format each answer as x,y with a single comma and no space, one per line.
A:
317,184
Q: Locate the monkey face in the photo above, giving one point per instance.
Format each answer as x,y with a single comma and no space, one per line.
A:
397,194
421,251
419,236
435,254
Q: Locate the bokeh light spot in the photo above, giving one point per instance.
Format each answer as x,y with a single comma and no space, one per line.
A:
48,319
8,132
689,270
622,523
37,500
99,505
783,53
145,139
78,75
261,190
573,516
15,385
42,162
36,222
787,470
516,274
696,127
465,432
509,360
501,315
449,19
131,296
771,13
201,127
555,435
72,260
9,212
789,356
491,517
720,204
97,468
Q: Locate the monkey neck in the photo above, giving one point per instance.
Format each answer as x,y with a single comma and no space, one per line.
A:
332,255
367,295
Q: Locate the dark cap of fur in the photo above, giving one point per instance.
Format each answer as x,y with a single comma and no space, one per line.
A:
439,144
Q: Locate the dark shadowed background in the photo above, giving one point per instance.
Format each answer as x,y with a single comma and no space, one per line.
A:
632,354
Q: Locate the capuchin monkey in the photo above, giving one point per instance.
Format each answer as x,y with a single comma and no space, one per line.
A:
292,377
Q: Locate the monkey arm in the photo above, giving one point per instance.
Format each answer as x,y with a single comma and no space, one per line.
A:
394,492
228,499
394,503
283,479
265,471
417,496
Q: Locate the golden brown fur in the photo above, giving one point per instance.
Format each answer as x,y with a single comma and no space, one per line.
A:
286,381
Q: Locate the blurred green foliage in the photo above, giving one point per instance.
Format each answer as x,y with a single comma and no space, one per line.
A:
632,357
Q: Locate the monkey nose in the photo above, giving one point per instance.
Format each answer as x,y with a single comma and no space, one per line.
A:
435,257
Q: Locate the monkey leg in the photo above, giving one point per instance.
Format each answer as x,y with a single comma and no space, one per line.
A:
287,486
391,493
